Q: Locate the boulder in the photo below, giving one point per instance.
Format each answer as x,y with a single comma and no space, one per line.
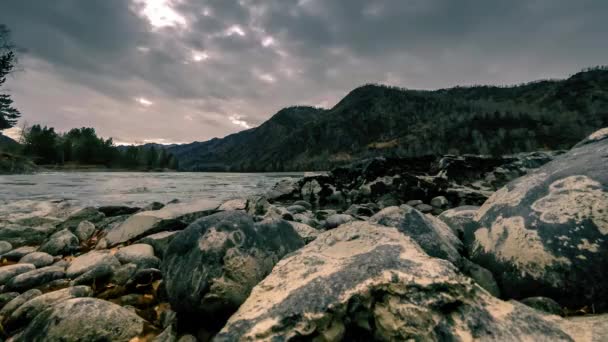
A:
153,206
7,297
358,210
257,205
123,274
140,254
84,231
545,234
543,304
336,220
30,309
18,253
462,221
306,232
592,328
10,271
284,189
91,261
171,217
432,235
304,204
38,259
34,278
440,202
296,209
235,204
482,277
366,282
210,267
16,302
87,214
83,319
61,243
5,247
19,235
159,241
424,208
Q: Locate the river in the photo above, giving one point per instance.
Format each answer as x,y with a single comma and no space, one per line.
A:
128,188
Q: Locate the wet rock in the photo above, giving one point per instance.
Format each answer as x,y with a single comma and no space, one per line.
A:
296,209
5,247
440,202
18,235
284,189
83,319
84,231
18,253
86,214
153,206
30,309
306,232
159,241
358,210
435,238
210,267
543,304
61,243
171,217
424,208
10,271
366,282
15,303
140,254
545,234
304,204
462,222
90,261
38,259
35,278
7,297
336,220
123,274
235,204
413,203
117,210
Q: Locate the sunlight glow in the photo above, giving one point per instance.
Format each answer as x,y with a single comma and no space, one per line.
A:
160,13
235,29
237,120
144,102
199,56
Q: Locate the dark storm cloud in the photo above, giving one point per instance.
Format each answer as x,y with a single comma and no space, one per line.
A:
109,64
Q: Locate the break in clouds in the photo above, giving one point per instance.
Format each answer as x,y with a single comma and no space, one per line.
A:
184,70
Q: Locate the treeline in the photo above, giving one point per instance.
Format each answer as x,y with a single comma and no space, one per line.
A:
82,146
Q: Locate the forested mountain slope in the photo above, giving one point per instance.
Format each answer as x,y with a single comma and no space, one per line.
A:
379,120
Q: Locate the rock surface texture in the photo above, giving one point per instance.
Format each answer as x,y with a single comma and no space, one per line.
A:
366,282
546,234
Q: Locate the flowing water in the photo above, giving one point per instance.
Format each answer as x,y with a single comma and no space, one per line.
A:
31,192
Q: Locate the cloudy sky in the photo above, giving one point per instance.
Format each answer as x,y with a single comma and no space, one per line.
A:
185,70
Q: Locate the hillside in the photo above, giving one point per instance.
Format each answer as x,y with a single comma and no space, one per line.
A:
6,142
378,120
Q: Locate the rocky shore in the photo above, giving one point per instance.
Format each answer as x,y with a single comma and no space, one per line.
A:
455,248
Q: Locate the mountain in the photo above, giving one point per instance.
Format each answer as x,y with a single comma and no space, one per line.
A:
6,142
377,120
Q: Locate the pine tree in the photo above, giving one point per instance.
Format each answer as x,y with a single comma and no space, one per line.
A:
8,114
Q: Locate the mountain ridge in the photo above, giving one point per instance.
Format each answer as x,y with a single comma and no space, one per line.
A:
374,120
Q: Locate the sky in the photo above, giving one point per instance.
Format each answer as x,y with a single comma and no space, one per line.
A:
175,71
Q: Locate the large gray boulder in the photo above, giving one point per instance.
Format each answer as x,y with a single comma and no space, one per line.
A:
432,235
284,189
462,221
38,259
545,234
366,282
19,235
61,243
171,217
211,266
30,309
140,254
83,319
91,261
10,271
34,278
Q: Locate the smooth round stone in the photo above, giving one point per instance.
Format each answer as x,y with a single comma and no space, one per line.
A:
18,253
140,253
84,231
89,261
61,243
35,278
10,271
38,259
5,247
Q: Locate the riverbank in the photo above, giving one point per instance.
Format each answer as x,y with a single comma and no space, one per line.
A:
464,247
